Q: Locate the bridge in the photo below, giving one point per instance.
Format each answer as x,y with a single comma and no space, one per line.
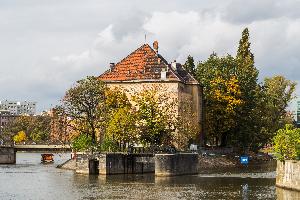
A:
39,147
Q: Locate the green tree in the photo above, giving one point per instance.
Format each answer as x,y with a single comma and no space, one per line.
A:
222,97
259,110
287,143
84,104
121,127
155,116
82,142
277,94
247,76
189,65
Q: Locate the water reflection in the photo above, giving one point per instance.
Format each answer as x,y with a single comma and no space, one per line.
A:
29,179
183,187
245,192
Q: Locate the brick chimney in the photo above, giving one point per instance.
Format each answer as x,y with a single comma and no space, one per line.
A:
112,66
155,46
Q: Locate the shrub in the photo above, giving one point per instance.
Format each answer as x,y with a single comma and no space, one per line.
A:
287,143
109,145
82,142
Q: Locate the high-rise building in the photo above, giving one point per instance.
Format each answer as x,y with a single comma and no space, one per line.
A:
19,108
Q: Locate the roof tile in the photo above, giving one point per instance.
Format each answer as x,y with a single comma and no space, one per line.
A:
144,64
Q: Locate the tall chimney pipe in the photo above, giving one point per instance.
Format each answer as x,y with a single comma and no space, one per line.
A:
112,66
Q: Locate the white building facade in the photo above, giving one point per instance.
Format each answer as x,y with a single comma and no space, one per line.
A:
19,108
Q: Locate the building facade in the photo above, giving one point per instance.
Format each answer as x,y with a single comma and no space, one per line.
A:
5,118
19,108
145,68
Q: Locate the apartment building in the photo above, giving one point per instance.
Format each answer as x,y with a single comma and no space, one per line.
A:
19,108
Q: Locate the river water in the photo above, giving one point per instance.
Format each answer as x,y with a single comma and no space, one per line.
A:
29,179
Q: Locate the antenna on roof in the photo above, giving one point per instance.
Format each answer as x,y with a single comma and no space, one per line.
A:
145,38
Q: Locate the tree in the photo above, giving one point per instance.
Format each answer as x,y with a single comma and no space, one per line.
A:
20,137
36,127
122,128
82,142
84,104
189,65
287,143
116,98
40,128
155,116
258,111
226,99
187,125
222,96
21,123
61,131
277,94
247,75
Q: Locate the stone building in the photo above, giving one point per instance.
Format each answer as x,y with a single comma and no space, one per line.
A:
145,67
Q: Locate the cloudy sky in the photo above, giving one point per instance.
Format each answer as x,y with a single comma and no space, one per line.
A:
45,46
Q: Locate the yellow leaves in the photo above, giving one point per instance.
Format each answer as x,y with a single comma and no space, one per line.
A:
116,98
224,98
226,92
20,137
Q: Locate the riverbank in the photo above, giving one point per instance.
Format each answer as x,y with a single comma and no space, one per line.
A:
231,163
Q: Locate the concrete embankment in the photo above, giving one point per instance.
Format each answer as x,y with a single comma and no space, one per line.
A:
176,164
122,163
166,164
288,175
69,164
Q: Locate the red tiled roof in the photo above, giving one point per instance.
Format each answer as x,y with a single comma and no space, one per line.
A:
142,64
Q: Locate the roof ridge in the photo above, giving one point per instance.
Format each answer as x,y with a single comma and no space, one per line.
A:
141,47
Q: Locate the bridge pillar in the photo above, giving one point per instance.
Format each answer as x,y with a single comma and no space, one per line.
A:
7,155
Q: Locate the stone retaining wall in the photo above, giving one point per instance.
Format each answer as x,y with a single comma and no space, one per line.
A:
160,164
82,163
119,163
176,164
7,155
288,174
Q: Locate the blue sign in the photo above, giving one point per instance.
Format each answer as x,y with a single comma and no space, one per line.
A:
244,159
